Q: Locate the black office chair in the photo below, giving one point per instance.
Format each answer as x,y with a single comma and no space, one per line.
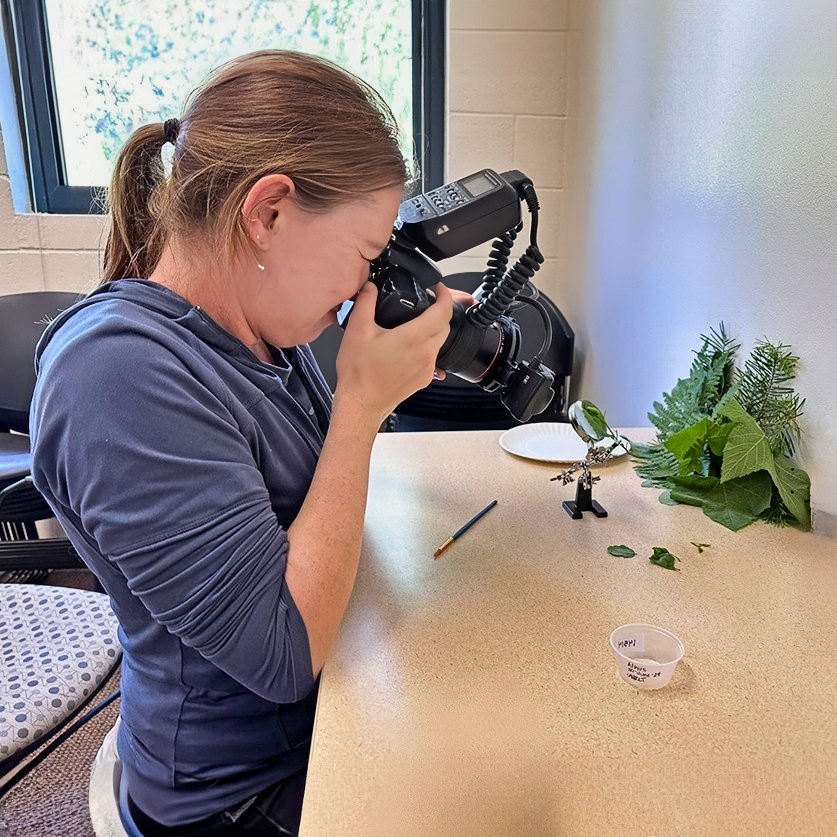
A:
60,645
23,555
455,404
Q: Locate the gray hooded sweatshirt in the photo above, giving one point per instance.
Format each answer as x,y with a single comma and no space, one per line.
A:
175,460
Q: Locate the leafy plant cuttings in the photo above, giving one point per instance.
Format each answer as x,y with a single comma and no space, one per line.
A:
663,558
725,437
621,551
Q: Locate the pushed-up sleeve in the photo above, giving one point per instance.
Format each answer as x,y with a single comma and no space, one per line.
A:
147,454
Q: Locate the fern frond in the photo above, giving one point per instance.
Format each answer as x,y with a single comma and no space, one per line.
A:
695,397
656,464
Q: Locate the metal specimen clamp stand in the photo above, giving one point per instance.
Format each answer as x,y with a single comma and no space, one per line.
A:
584,489
590,424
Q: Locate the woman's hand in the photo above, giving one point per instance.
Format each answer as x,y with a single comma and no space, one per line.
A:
377,368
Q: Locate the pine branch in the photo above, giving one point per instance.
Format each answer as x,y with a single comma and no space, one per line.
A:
765,392
777,514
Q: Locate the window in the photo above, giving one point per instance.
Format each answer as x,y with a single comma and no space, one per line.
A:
91,71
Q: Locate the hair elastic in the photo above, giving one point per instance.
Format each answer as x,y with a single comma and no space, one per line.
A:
171,128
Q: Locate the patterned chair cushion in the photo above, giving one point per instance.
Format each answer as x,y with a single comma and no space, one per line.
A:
56,646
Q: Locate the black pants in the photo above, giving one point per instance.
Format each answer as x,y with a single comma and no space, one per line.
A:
275,810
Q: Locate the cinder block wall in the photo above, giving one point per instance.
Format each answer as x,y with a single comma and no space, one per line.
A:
507,105
45,252
507,108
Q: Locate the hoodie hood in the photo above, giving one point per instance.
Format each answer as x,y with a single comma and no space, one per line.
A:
162,302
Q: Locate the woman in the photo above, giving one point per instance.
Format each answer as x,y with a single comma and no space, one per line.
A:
189,446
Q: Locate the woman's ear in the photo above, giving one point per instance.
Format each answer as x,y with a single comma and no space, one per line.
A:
262,206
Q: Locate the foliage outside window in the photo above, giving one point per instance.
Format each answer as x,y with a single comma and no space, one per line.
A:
119,64
89,72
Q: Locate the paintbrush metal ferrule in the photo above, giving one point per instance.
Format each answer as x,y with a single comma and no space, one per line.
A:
443,547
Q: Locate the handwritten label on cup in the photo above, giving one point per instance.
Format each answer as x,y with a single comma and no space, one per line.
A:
636,642
639,673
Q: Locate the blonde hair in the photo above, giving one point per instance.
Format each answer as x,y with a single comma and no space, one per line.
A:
268,112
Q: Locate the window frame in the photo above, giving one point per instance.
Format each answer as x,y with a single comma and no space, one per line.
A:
24,22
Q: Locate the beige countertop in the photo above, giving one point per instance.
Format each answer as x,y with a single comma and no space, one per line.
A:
477,694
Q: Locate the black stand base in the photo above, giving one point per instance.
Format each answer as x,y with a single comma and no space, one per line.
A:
583,502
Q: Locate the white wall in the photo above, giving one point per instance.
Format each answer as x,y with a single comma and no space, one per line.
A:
702,181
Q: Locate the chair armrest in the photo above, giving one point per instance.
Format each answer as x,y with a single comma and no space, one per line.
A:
21,502
45,554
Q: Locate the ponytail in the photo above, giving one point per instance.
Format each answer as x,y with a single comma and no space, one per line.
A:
133,201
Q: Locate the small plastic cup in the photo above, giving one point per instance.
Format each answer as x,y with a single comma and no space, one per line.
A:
646,655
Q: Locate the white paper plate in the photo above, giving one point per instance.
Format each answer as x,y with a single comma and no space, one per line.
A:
548,442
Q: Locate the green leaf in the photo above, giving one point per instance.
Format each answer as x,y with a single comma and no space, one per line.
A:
696,396
663,558
747,449
717,437
740,427
689,446
658,465
747,446
733,504
748,495
695,481
692,489
737,503
621,551
667,500
728,517
734,411
594,421
765,391
795,488
640,450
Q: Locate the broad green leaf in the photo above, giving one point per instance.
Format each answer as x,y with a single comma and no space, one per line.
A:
692,489
695,481
728,517
747,449
689,445
717,437
667,500
734,411
684,495
794,487
663,558
621,551
748,495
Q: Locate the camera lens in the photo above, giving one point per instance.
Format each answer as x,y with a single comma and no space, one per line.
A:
478,354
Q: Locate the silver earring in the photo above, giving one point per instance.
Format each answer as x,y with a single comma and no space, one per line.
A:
258,265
